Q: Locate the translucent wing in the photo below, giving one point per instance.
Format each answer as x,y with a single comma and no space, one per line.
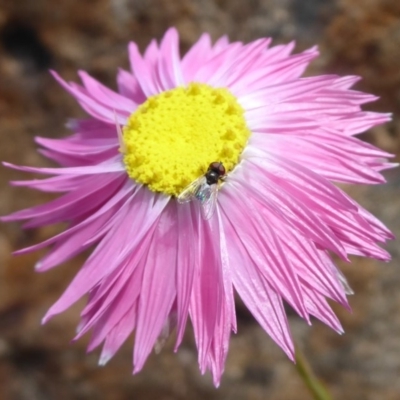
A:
209,200
203,192
190,192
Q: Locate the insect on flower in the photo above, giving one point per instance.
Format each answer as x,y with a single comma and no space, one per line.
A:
157,264
205,189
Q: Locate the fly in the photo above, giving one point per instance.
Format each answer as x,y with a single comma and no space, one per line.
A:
205,189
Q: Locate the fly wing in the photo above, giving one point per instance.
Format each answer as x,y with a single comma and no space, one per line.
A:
210,201
189,193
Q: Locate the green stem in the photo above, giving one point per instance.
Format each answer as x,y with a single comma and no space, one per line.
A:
303,368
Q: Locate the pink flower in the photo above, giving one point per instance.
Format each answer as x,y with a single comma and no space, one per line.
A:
266,232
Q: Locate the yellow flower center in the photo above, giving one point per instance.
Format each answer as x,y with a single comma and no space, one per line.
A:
171,139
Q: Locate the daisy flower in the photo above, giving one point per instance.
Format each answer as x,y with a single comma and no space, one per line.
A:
202,177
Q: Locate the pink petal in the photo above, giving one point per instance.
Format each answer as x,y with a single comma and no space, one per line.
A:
158,290
117,336
113,202
72,204
91,129
90,104
277,72
292,212
255,291
169,66
123,295
121,239
106,96
129,87
318,306
208,288
266,249
194,58
143,70
186,266
110,166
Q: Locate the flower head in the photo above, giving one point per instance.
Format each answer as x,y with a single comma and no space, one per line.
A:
275,215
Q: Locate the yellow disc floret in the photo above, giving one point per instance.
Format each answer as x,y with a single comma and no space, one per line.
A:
171,139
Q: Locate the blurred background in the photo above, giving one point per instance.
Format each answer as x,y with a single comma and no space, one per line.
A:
357,37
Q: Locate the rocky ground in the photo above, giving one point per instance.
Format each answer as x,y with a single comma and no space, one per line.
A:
38,363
